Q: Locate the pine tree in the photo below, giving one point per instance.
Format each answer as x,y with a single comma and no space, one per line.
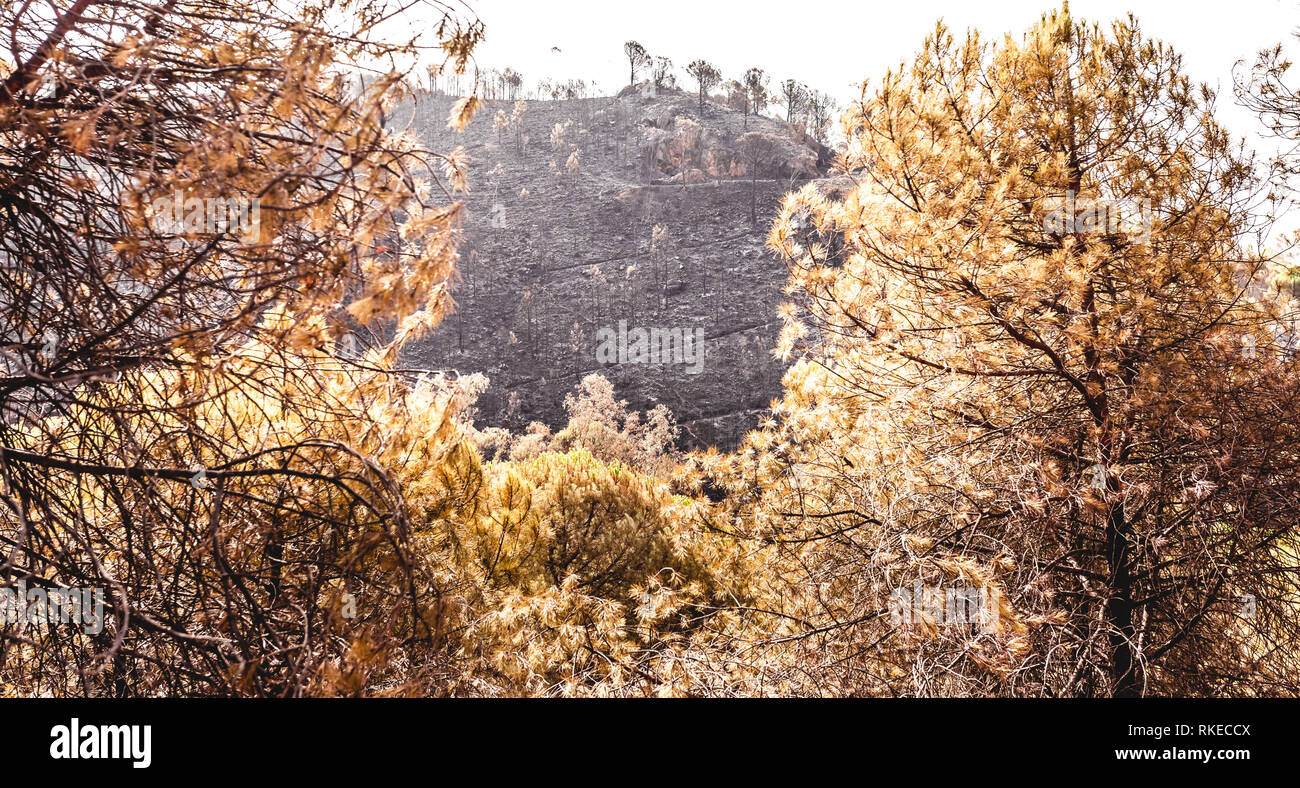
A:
1035,353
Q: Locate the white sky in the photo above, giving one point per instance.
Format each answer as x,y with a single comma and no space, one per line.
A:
834,44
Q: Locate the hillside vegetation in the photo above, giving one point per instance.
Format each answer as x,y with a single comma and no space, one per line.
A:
965,426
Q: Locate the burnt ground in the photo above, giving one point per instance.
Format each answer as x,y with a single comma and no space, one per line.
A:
549,258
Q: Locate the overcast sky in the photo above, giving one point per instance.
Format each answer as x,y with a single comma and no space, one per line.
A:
834,44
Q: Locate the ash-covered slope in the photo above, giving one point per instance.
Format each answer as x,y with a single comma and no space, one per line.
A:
590,213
